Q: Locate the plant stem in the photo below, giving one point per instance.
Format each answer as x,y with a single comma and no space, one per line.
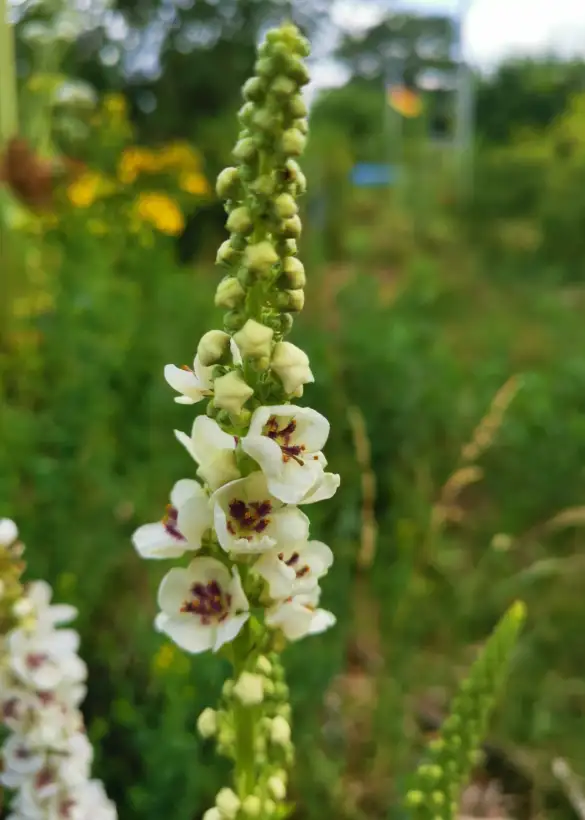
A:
244,721
8,100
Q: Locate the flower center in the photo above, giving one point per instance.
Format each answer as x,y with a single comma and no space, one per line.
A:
293,563
34,660
10,708
282,436
44,778
248,518
170,523
209,602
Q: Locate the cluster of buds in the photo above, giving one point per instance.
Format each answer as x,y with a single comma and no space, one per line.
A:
254,581
46,758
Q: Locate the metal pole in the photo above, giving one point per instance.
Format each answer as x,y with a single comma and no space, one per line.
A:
465,105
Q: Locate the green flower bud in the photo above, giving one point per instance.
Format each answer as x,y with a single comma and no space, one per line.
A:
254,340
232,392
291,228
269,807
240,221
285,206
207,723
252,806
297,70
293,142
291,300
246,113
302,125
234,320
283,87
297,107
245,149
276,787
237,242
260,257
286,247
264,67
247,278
265,120
229,293
228,183
213,348
228,803
293,273
291,365
254,89
226,255
263,185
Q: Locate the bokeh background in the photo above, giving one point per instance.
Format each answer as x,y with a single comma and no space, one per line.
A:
445,245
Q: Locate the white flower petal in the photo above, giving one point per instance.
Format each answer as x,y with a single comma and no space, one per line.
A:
194,518
239,600
324,489
153,541
207,437
228,630
184,489
8,532
173,590
289,525
322,620
188,633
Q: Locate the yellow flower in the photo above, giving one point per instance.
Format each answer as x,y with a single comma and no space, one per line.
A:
164,657
84,191
134,161
193,183
179,155
162,212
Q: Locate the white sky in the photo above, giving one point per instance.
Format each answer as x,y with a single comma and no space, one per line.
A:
493,28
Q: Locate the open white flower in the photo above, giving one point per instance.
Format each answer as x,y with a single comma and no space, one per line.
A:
248,519
187,518
39,595
294,569
213,450
203,606
8,532
298,616
43,660
196,383
286,441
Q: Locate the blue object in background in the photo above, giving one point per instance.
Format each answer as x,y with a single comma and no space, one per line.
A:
370,174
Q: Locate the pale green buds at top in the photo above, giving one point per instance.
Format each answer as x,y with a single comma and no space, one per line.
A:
228,183
283,87
292,228
245,149
229,293
231,392
263,186
291,365
212,814
254,340
207,723
240,221
213,347
276,787
260,257
297,107
263,665
292,300
228,803
285,206
293,273
269,807
293,142
226,254
254,89
249,689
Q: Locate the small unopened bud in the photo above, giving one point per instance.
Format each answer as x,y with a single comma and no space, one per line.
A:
254,340
264,120
285,206
245,149
283,87
212,814
263,665
213,348
252,806
234,320
246,113
263,186
269,807
229,293
228,183
276,787
249,689
240,221
293,273
207,723
292,300
226,253
293,142
264,67
280,731
291,365
254,89
228,803
302,125
297,107
297,70
227,688
260,257
231,392
291,228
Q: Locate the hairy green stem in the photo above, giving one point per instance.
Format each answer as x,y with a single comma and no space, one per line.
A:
244,721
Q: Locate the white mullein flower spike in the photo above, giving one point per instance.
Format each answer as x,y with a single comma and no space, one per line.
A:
248,519
298,616
294,569
187,518
286,441
213,450
197,383
47,757
203,605
8,532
